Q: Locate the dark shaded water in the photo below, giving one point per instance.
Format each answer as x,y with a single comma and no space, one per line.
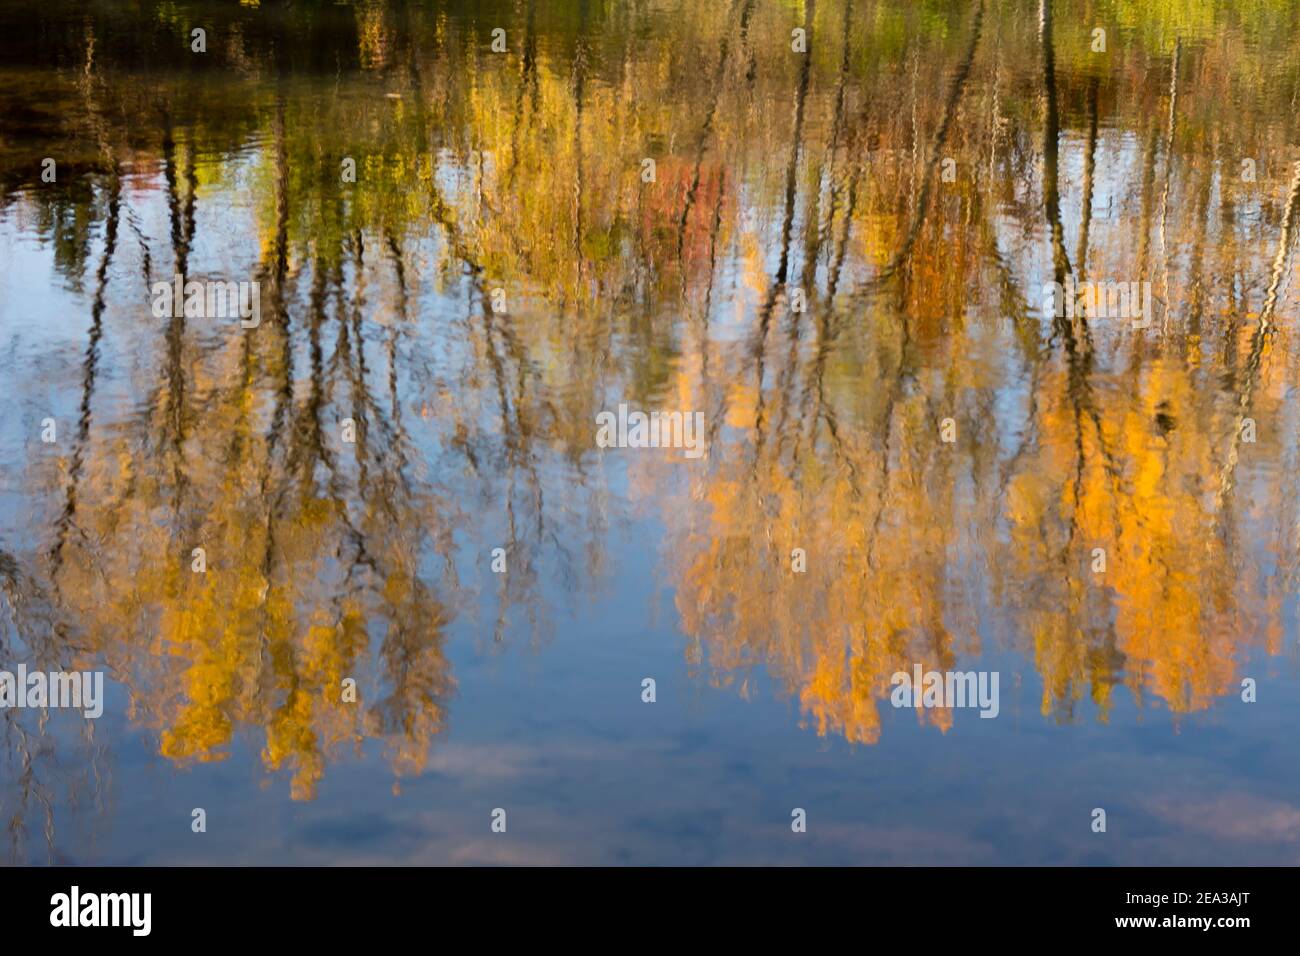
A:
838,257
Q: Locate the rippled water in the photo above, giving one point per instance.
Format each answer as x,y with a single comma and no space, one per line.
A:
839,258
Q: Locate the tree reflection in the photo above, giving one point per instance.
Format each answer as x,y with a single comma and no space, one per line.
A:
823,174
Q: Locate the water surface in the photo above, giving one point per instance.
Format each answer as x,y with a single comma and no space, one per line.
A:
838,256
